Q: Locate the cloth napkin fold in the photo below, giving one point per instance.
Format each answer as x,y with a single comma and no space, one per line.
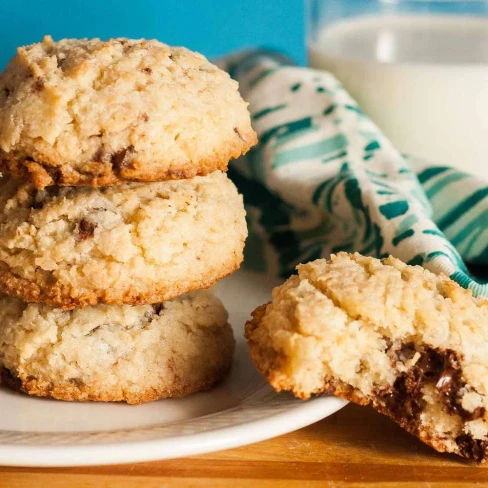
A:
324,178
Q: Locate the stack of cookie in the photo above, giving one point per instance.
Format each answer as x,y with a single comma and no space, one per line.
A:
114,208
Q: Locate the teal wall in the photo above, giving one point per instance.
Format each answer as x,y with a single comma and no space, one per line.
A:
213,27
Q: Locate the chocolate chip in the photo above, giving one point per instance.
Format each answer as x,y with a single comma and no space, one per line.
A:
157,307
478,413
449,383
431,362
170,57
445,383
98,156
38,85
54,173
101,156
472,448
37,205
93,331
120,159
7,92
147,71
77,382
236,130
404,399
84,230
62,61
145,117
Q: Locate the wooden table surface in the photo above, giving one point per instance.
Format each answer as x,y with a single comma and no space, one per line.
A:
356,447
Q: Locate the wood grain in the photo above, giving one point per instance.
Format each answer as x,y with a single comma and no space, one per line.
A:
354,448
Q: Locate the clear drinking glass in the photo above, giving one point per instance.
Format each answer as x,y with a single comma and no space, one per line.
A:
418,68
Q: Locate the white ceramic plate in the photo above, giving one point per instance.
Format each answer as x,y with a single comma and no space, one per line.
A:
241,410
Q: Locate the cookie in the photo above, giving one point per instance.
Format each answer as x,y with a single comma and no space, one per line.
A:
133,243
96,113
114,353
412,344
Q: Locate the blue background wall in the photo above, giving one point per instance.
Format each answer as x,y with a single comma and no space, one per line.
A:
213,27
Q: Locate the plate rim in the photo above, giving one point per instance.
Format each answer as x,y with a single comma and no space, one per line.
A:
74,452
171,447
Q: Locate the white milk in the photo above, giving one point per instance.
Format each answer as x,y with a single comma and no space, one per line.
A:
422,79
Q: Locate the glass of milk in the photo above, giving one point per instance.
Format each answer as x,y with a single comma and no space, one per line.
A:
418,68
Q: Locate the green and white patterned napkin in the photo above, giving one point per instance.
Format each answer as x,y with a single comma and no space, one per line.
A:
324,178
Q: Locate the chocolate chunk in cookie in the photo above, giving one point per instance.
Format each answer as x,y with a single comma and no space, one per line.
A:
412,344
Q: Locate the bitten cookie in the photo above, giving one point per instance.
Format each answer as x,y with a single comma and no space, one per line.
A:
92,112
133,243
111,353
412,344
